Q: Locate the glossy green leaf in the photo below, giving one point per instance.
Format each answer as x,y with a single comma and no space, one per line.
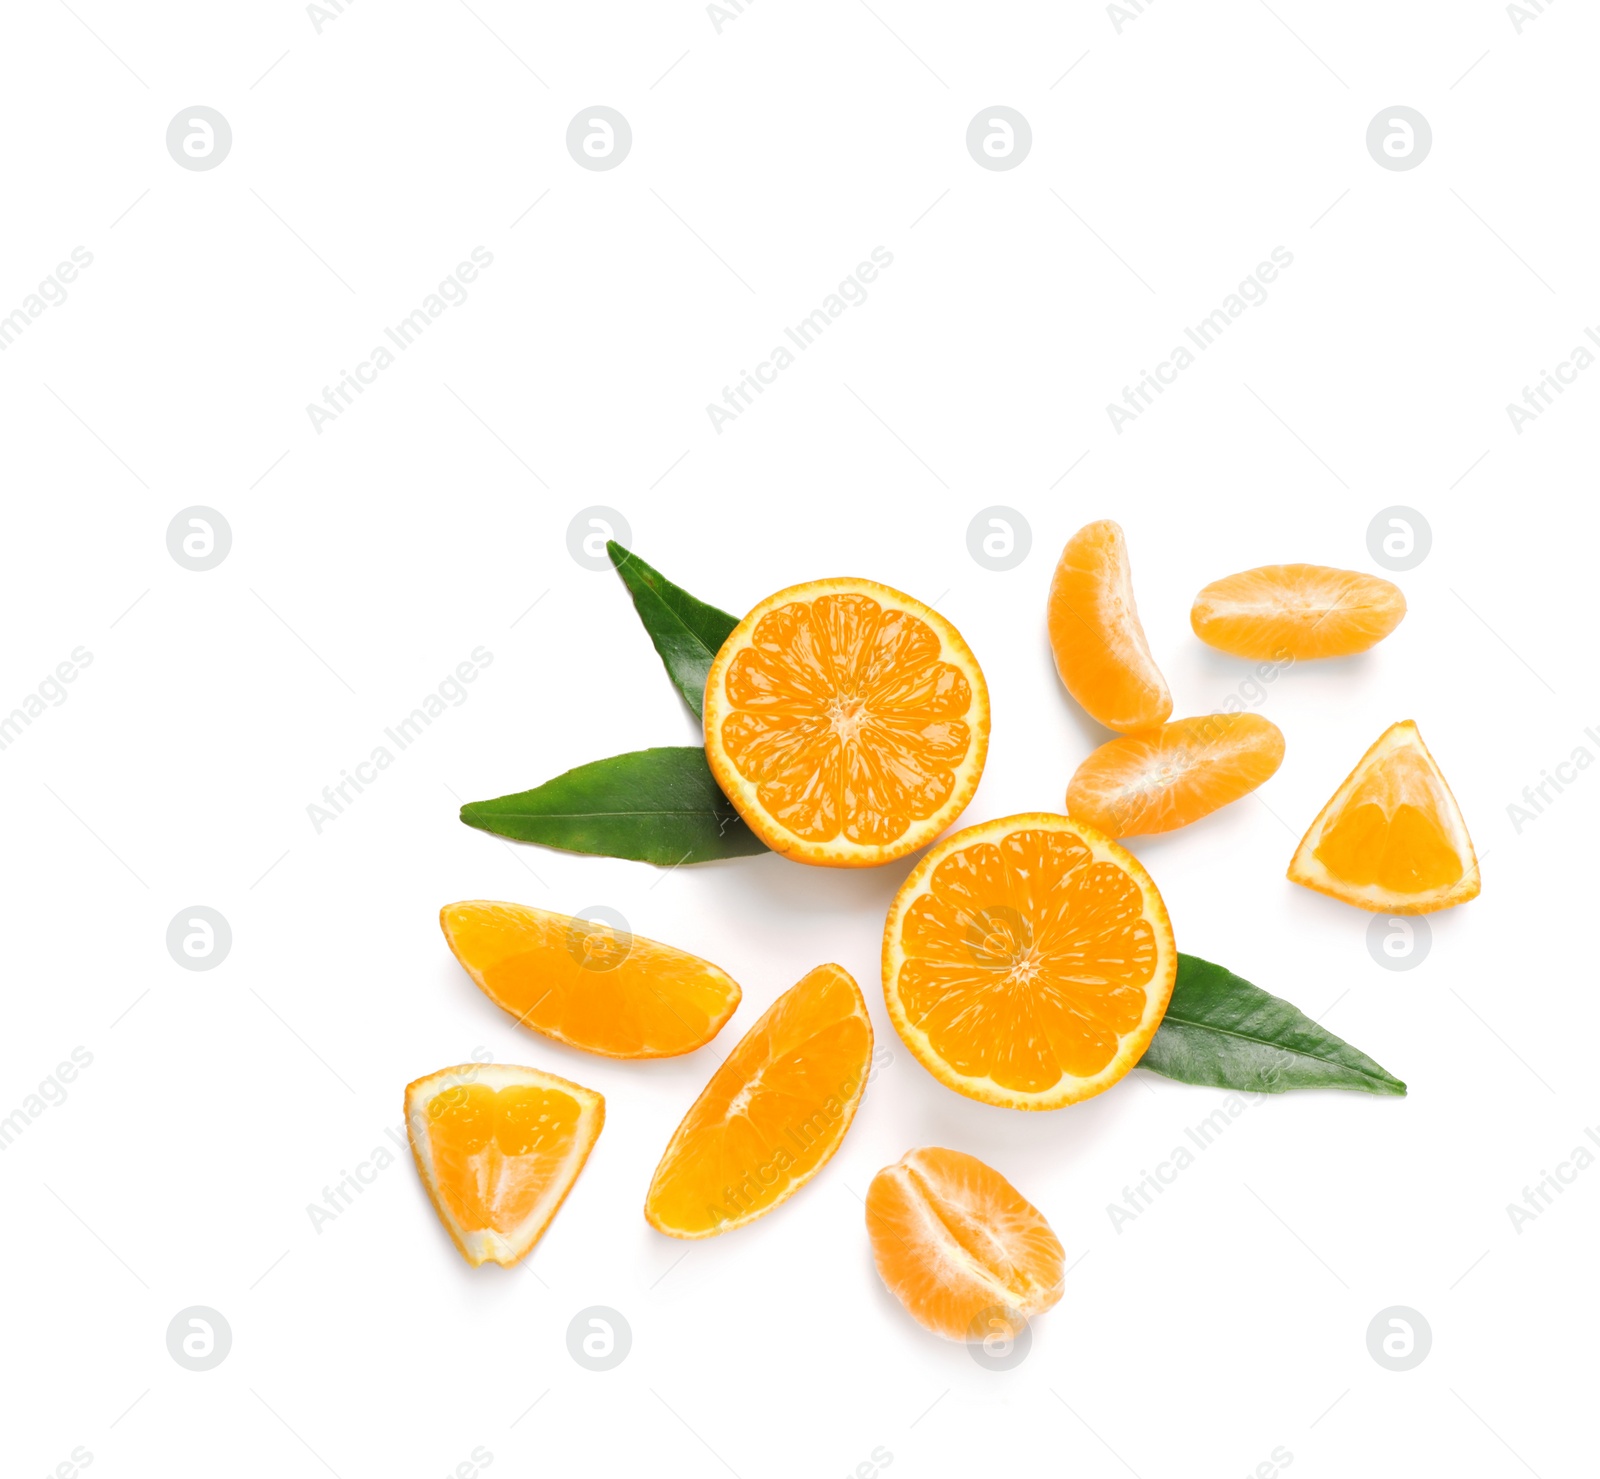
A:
655,806
686,631
1221,1030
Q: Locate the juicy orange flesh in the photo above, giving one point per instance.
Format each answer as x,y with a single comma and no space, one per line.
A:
1027,960
496,1151
956,1243
588,984
1388,831
1159,779
1096,636
772,1114
1297,611
846,719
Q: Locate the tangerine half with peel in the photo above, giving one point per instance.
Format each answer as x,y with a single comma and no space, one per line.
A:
1028,961
1391,839
847,722
587,983
498,1148
1158,779
959,1246
1099,645
773,1114
1296,612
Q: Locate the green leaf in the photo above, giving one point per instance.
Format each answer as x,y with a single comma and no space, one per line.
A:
1221,1030
655,806
686,632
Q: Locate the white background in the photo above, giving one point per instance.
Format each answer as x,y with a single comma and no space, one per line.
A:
368,560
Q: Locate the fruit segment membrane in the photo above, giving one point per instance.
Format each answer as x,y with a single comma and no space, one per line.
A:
1099,644
846,719
1027,960
959,1246
587,983
1389,833
772,1115
1296,612
496,1151
1157,779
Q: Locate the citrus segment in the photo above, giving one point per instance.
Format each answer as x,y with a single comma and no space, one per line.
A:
588,984
1099,645
498,1149
1391,839
772,1115
1296,612
847,722
1028,961
959,1246
1167,777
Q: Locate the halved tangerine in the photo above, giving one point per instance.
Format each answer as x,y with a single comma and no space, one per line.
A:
498,1148
587,983
960,1247
1391,839
1028,961
772,1115
847,722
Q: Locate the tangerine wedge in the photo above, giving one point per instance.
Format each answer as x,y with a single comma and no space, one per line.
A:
1028,961
1099,645
960,1247
847,722
588,984
773,1114
498,1149
1296,612
1167,777
1391,839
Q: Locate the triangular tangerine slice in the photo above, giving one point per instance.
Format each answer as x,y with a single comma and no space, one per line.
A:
588,984
1391,839
498,1148
847,722
1028,961
960,1247
773,1114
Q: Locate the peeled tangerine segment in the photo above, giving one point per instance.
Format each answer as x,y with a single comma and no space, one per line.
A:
1099,645
772,1115
588,984
960,1247
1294,612
498,1148
1028,961
1167,777
1391,839
847,722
